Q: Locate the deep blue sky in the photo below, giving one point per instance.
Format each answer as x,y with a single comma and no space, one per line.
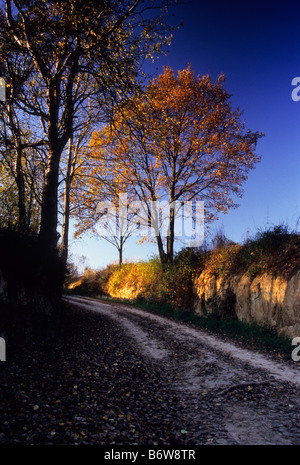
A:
256,44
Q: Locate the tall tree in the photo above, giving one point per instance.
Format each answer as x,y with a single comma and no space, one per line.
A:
22,170
76,158
180,141
73,50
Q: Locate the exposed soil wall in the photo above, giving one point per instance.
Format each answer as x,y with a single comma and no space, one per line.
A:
267,300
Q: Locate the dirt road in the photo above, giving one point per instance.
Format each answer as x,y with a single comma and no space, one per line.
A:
213,392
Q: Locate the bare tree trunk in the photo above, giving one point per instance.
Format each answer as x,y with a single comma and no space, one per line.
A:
162,253
48,230
66,213
170,238
48,235
22,220
19,174
121,252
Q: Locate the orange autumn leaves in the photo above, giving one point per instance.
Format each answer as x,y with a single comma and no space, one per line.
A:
179,140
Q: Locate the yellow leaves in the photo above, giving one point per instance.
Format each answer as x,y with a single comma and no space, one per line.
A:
180,134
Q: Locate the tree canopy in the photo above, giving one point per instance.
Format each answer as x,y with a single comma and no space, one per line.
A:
60,57
180,140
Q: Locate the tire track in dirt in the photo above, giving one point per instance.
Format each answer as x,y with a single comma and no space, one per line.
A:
154,348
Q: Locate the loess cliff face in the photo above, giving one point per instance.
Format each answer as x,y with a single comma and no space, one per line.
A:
267,300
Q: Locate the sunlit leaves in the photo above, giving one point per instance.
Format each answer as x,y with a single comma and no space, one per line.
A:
180,140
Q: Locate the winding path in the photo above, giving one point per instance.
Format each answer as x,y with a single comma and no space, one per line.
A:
233,395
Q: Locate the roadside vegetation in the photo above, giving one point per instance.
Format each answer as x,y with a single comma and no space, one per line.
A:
171,292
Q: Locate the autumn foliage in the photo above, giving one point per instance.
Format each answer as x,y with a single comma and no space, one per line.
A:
180,140
275,251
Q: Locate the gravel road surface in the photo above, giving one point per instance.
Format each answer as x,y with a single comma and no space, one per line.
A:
120,375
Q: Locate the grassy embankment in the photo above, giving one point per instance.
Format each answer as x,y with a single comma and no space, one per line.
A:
172,293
